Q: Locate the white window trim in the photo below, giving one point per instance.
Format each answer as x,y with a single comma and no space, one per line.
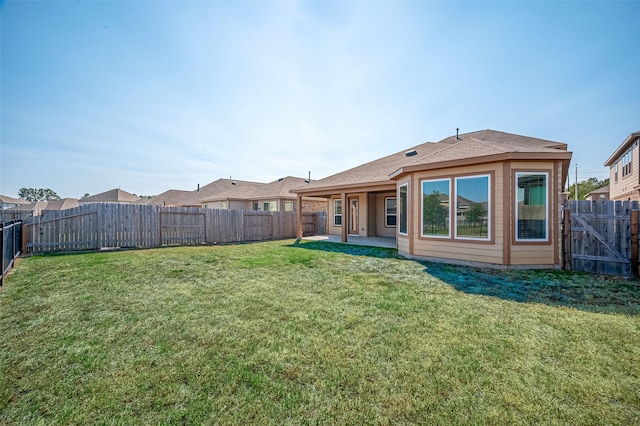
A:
386,223
422,234
489,212
406,209
334,211
546,209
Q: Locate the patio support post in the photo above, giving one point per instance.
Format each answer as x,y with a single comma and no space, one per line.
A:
345,216
299,214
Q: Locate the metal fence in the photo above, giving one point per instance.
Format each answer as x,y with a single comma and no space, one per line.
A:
11,237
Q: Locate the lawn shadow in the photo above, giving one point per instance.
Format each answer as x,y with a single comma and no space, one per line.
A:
587,292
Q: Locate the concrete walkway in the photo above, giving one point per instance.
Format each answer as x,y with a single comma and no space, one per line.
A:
387,242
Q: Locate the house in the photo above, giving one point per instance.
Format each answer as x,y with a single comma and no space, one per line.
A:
624,170
485,197
213,189
61,204
598,194
172,197
272,196
9,202
112,196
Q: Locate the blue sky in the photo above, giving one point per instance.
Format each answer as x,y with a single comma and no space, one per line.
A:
149,96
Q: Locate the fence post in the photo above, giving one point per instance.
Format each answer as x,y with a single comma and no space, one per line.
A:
566,239
634,243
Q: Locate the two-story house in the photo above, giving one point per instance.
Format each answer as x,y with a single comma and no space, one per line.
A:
624,170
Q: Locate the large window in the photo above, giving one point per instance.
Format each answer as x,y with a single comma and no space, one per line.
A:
402,205
472,207
436,205
390,212
531,206
337,212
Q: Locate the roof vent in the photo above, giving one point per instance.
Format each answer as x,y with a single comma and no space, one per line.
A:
280,180
233,182
411,153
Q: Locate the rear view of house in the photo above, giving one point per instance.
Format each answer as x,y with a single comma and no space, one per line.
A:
485,197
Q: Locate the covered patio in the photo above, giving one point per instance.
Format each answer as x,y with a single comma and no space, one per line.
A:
386,242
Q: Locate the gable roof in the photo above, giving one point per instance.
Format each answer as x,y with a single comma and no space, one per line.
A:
112,196
280,188
172,197
215,188
466,148
624,146
10,200
62,204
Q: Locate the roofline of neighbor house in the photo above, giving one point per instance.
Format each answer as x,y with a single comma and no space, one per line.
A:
507,156
622,148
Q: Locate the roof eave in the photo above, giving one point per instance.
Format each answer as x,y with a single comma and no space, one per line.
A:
352,187
622,148
539,156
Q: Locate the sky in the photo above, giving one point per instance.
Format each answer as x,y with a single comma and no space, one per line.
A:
148,96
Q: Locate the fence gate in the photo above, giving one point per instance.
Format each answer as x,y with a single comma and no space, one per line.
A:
182,228
597,237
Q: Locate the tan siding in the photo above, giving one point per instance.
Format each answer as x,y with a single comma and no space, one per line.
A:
381,229
403,244
458,250
623,189
532,255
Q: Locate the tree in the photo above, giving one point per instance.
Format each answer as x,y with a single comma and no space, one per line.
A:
86,195
41,194
586,186
475,217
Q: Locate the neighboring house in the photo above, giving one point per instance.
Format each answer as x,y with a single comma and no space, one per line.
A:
113,196
485,197
9,202
624,170
62,204
172,197
213,189
272,196
35,208
598,194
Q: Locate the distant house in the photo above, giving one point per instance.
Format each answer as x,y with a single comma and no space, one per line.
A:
213,189
485,197
61,204
34,208
113,196
624,170
172,197
598,194
9,202
272,196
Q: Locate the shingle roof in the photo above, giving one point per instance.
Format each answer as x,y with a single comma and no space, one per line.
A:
172,197
62,204
11,200
215,188
466,146
112,196
280,188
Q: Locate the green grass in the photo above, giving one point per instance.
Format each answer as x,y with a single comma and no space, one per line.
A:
308,333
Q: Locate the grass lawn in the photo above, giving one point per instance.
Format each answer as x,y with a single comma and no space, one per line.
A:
306,333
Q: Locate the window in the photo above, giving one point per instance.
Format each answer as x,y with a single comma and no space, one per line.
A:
288,206
472,207
531,206
626,163
224,205
615,172
390,206
337,212
255,206
403,209
436,208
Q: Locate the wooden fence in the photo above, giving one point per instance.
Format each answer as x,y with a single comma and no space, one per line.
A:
100,226
601,237
10,237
